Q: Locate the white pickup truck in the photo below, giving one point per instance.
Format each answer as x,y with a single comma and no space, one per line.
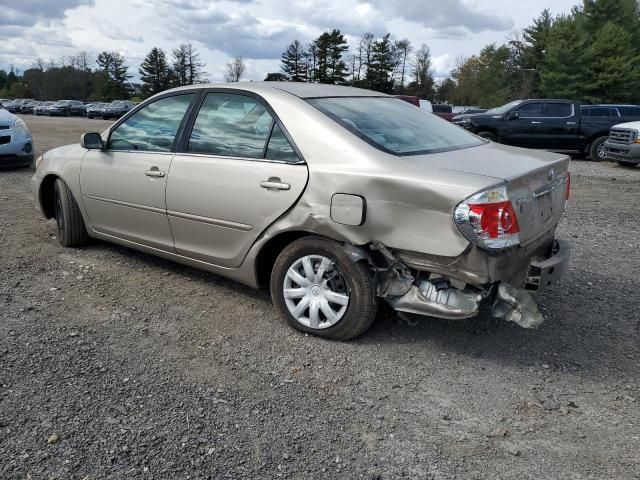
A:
623,145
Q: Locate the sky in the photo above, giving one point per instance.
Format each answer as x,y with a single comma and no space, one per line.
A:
257,30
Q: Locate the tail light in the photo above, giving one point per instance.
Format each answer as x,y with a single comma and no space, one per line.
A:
567,186
488,219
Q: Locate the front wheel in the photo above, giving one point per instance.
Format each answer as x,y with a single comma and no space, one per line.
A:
597,150
489,136
318,289
70,224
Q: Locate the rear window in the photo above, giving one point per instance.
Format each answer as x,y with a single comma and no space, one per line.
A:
394,126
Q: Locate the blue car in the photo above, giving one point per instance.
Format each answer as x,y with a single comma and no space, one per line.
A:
16,143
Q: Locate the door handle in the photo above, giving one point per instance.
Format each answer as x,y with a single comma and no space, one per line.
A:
275,184
154,172
536,123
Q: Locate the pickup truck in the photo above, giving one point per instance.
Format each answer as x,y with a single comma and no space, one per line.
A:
558,125
623,145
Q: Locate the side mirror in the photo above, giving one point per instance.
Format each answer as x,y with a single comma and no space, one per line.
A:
513,115
91,141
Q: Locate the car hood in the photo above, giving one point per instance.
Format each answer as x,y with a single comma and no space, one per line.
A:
628,125
6,116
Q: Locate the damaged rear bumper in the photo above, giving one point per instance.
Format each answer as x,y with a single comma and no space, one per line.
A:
438,296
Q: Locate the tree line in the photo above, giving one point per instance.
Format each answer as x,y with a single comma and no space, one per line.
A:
591,54
381,64
76,77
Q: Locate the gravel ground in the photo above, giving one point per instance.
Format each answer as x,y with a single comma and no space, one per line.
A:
115,364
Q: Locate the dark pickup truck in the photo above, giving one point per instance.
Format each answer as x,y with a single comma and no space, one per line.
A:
558,125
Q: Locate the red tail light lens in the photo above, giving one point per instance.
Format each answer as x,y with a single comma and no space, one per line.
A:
567,186
488,219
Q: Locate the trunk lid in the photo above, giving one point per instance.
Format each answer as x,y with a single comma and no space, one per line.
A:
535,180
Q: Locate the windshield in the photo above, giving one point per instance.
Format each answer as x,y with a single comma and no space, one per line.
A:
504,108
395,126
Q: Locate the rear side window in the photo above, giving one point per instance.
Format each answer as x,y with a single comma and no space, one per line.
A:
233,125
557,109
629,111
279,147
601,112
529,110
153,128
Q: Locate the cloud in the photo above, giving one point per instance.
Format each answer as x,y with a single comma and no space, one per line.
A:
443,15
26,13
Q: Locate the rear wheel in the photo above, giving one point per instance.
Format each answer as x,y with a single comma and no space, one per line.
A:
488,136
318,289
597,151
626,164
70,225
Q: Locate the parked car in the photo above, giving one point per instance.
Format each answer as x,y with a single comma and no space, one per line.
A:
443,111
27,107
559,125
623,145
12,107
41,109
66,108
16,144
333,196
116,109
95,110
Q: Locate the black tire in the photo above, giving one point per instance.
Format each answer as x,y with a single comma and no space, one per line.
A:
596,151
358,283
489,136
622,163
70,224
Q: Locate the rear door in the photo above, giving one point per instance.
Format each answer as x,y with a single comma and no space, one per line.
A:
558,126
237,172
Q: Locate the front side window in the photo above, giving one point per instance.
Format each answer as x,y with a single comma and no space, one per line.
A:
395,126
529,110
152,128
231,125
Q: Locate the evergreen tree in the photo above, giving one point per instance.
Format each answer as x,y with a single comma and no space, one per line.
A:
329,66
613,73
111,79
379,74
293,62
564,70
186,68
155,73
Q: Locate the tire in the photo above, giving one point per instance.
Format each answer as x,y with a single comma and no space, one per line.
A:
489,136
596,150
343,278
622,163
70,225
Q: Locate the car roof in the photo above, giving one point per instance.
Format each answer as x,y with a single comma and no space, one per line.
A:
299,89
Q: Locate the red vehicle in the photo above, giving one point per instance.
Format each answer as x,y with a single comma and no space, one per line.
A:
443,111
412,99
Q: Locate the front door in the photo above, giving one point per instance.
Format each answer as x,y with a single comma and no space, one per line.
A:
123,186
237,175
524,130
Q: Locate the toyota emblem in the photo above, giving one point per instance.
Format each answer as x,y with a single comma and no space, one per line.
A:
551,175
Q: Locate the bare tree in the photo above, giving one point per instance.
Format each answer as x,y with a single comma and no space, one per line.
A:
235,69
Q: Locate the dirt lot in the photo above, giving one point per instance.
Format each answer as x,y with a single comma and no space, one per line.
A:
115,364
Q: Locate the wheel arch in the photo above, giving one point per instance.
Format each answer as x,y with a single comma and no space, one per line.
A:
269,252
46,195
